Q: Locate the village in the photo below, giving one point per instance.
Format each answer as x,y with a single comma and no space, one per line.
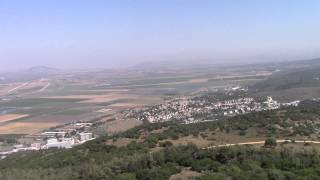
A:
195,110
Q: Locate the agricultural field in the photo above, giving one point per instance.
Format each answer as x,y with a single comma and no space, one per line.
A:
44,103
11,117
84,96
106,99
25,127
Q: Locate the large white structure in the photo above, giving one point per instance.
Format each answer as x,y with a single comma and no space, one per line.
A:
54,133
83,124
272,104
63,143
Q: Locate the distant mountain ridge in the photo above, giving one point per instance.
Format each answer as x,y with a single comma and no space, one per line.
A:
42,70
192,64
30,74
178,65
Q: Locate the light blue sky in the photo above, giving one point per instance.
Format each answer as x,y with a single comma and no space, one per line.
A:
106,33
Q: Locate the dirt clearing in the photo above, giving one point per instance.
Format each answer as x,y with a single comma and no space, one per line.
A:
185,174
25,127
122,125
11,117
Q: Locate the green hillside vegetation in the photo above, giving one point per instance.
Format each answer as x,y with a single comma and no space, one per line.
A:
305,77
151,155
292,82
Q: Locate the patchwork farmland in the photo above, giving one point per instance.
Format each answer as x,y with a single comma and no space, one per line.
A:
31,107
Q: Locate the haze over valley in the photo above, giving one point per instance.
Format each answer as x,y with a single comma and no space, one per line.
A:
157,90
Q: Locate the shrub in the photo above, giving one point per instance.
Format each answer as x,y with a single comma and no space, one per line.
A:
270,143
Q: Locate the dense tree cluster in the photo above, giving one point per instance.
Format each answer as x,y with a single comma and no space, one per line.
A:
115,163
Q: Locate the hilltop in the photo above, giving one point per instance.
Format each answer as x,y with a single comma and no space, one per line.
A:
42,70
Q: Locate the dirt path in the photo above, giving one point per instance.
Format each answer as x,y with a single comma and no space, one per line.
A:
260,142
45,87
18,87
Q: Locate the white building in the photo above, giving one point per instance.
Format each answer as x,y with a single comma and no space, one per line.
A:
63,143
83,124
35,146
54,133
83,137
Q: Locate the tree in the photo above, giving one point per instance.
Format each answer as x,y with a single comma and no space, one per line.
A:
166,144
270,143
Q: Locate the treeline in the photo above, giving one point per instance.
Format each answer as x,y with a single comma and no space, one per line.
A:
223,163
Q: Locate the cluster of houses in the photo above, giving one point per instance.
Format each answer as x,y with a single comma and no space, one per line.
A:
245,105
195,110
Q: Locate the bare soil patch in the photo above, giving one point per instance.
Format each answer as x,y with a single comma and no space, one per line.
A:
114,100
228,138
76,97
10,117
25,127
127,105
185,174
112,97
121,125
121,142
57,119
105,90
198,80
98,98
198,141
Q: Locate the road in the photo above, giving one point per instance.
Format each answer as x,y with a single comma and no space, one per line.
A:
260,142
45,87
18,87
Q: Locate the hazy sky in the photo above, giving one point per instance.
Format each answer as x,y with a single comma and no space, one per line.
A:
115,33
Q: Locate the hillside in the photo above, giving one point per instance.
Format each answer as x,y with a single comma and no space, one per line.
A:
42,70
160,150
303,83
295,78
